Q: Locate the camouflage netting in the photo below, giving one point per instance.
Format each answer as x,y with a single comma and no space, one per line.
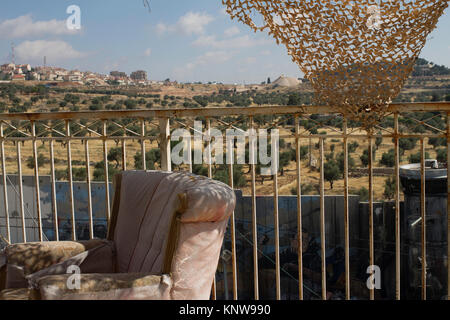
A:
357,54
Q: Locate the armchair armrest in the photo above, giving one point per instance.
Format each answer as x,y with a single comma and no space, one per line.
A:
206,200
125,286
192,255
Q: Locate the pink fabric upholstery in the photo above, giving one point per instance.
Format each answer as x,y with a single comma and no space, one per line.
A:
196,259
149,200
147,205
134,221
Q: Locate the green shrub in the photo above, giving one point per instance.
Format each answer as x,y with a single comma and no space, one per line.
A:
415,158
388,158
441,155
389,188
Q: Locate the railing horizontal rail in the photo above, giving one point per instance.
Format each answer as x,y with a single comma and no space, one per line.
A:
214,112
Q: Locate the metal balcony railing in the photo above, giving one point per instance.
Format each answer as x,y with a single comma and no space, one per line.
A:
49,141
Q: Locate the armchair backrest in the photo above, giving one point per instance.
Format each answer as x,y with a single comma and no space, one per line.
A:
170,222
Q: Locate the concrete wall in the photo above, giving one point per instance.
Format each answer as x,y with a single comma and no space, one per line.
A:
63,207
384,231
334,237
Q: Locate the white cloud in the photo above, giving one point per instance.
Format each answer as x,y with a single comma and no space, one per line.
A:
238,42
209,58
212,57
194,23
190,23
53,50
205,41
232,31
162,28
24,26
148,52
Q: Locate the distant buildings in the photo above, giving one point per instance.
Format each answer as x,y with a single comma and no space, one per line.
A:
22,72
136,77
24,68
139,75
18,77
118,74
15,72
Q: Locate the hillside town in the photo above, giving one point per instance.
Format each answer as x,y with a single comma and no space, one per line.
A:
11,72
25,72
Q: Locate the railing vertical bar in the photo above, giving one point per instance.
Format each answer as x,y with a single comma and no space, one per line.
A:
299,209
276,223
208,152
397,208
230,153
105,160
144,164
164,127
346,215
69,168
54,202
124,151
322,223
89,188
22,209
36,180
423,219
5,186
448,206
124,155
208,146
233,232
189,147
371,240
252,161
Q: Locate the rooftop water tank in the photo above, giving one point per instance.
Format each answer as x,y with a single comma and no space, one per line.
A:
435,178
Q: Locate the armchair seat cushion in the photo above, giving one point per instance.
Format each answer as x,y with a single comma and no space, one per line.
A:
100,259
125,286
27,260
19,294
35,256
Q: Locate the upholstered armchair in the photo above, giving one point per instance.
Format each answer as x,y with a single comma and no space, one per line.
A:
164,239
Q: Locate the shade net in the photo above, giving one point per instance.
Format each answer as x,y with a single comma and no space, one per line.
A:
356,54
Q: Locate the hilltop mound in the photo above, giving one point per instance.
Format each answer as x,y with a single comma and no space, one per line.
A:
283,81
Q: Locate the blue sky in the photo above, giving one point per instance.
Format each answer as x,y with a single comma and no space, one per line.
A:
184,40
